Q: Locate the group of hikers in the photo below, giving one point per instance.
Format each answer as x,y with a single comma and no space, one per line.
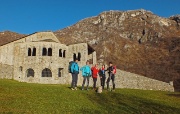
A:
93,72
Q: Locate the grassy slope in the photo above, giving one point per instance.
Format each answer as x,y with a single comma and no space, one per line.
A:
19,97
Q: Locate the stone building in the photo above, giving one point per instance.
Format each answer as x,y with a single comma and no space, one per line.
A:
41,58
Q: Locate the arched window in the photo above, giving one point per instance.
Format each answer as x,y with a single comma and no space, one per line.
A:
34,52
74,56
79,56
60,52
29,51
44,52
49,51
46,73
64,53
30,72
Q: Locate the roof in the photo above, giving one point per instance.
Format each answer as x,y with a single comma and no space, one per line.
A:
4,41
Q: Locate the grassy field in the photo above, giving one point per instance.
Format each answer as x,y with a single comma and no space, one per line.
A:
18,97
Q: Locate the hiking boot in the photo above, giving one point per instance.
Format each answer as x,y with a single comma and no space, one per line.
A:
72,88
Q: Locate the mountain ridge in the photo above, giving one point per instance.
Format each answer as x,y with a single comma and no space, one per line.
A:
137,41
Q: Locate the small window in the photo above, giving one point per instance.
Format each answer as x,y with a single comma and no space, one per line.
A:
60,72
79,56
21,68
74,56
46,73
30,72
34,52
29,51
44,52
64,53
60,52
49,51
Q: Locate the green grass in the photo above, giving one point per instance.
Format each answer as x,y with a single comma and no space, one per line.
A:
18,98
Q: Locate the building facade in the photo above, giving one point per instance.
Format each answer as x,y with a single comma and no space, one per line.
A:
41,58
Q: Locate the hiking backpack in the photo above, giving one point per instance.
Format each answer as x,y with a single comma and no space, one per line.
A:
69,67
114,69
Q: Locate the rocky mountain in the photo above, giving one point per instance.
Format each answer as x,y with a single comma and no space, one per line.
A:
137,41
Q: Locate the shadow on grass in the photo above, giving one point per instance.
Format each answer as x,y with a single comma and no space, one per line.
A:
115,103
174,95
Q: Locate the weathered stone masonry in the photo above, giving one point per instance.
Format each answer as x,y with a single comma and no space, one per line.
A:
41,58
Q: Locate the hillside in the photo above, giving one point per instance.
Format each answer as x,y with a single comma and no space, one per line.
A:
8,36
137,41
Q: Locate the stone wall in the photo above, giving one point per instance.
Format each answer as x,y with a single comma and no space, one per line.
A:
133,81
129,80
6,54
23,62
39,62
16,59
6,61
6,71
27,59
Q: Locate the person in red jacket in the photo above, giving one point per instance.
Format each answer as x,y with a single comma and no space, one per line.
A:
95,71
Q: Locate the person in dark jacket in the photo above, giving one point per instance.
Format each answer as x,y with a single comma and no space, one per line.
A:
111,72
102,76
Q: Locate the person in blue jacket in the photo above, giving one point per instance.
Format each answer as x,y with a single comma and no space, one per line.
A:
74,71
86,73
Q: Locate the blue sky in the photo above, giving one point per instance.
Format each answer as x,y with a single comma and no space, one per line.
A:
29,16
